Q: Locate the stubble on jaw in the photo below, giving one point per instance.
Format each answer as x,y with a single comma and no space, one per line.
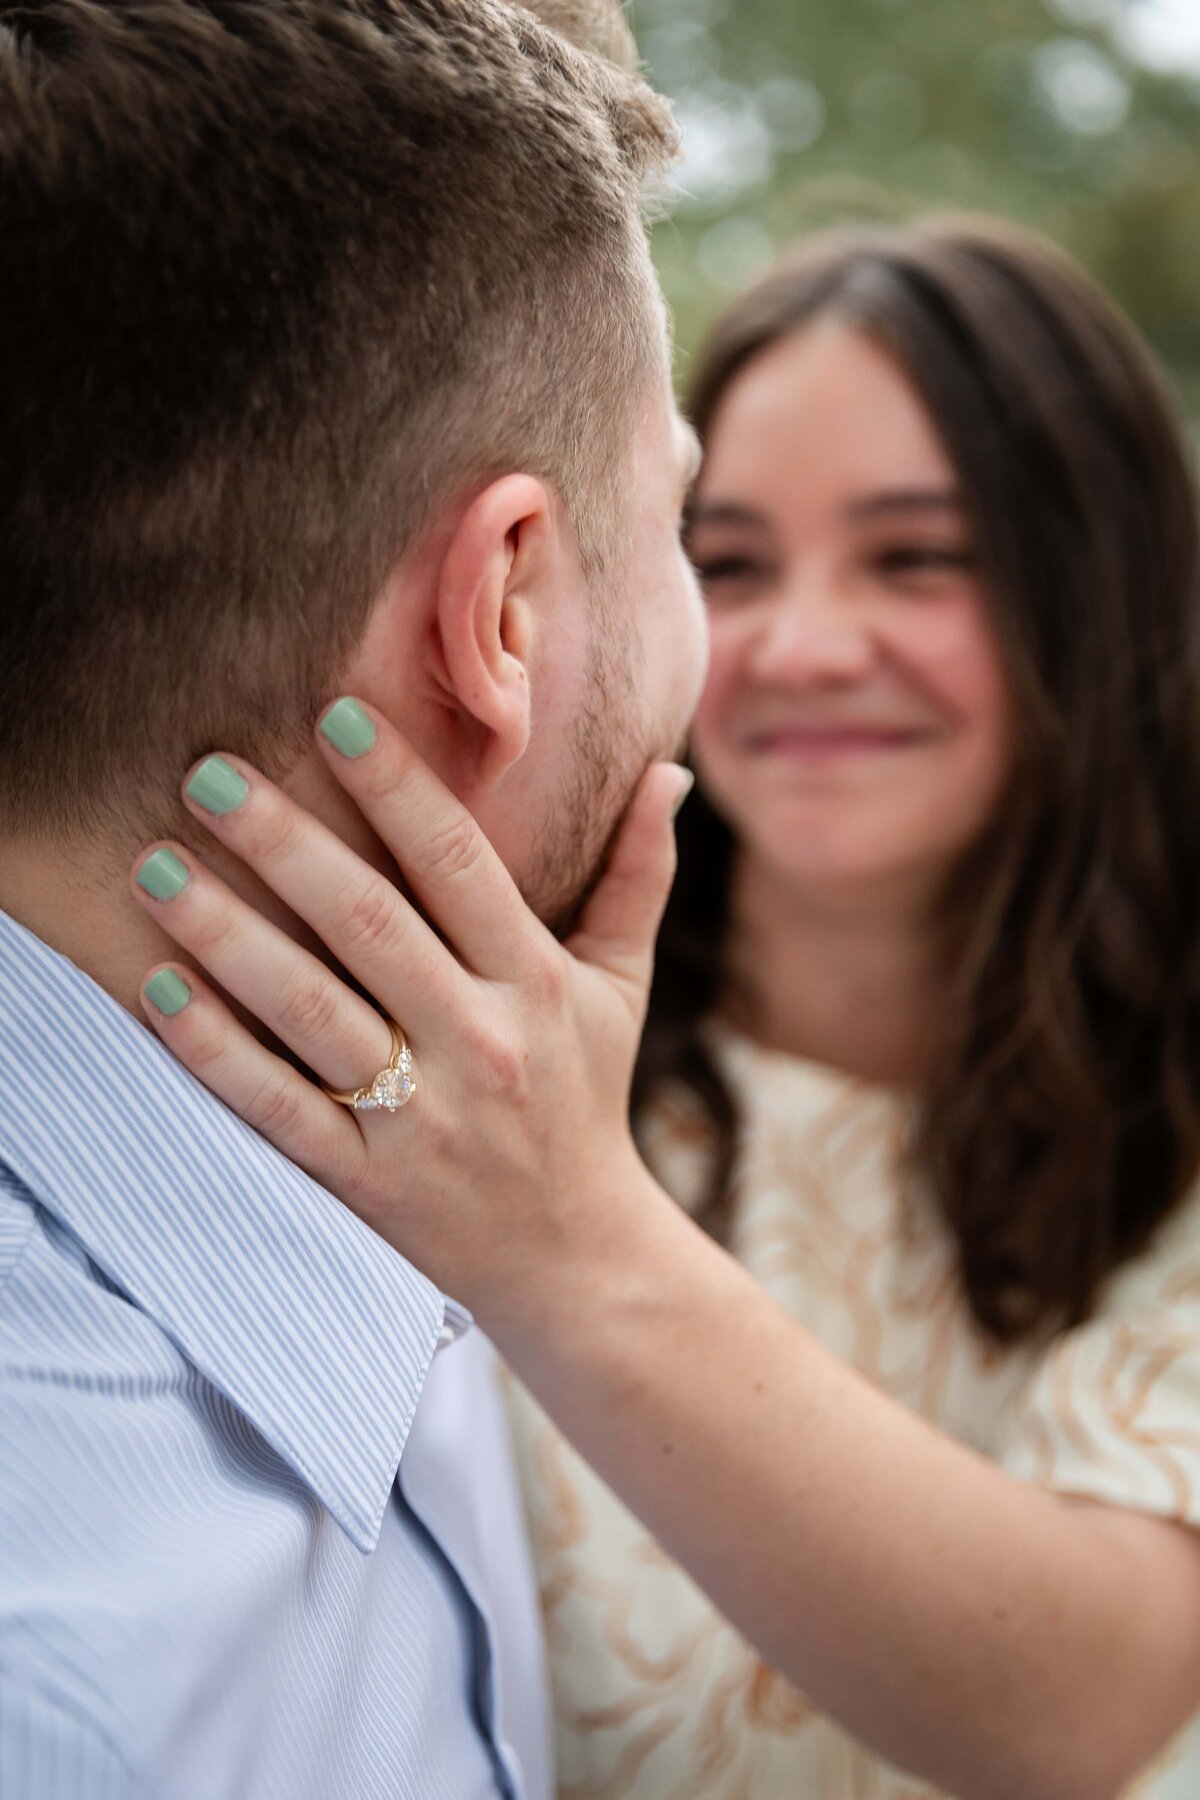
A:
612,746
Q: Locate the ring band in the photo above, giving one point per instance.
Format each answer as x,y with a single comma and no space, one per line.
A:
393,1087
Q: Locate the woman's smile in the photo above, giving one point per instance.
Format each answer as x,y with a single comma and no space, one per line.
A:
825,745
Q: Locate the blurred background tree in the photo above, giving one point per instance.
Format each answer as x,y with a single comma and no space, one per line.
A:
1079,117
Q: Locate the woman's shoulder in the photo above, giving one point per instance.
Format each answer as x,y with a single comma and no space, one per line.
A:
1165,1272
1111,1410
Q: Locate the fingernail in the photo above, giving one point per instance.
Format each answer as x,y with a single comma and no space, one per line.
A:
167,992
162,875
689,783
217,786
348,728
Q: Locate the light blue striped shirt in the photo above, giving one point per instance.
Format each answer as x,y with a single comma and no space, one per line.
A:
259,1535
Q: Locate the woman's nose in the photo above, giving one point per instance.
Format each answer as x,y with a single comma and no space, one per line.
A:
814,634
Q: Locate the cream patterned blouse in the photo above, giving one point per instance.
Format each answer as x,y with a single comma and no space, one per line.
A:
656,1696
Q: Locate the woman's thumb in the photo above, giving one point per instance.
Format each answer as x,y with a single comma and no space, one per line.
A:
620,922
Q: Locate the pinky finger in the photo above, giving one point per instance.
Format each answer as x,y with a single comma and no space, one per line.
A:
272,1097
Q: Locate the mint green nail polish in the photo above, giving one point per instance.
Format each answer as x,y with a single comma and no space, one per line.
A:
163,876
167,992
217,786
348,728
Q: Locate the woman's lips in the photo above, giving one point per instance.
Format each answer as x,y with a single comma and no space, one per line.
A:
822,742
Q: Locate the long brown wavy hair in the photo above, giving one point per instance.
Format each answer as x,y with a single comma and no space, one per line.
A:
1061,1122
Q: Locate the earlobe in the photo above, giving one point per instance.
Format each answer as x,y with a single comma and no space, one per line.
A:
485,620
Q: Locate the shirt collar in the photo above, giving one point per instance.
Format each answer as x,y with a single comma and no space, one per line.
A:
317,1331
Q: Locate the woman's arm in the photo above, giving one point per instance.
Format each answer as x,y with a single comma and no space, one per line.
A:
998,1640
995,1639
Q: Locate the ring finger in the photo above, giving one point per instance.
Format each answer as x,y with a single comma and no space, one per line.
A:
326,1024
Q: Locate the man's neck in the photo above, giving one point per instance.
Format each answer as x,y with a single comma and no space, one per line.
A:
75,894
852,981
77,900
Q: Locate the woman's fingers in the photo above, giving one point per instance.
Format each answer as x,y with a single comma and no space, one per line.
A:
447,861
267,1092
326,1024
356,912
621,920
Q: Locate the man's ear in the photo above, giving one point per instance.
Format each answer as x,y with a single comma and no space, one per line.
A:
496,558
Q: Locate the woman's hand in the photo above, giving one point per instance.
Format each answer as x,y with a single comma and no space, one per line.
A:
524,1048
853,1544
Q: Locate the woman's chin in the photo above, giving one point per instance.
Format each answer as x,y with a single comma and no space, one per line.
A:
844,870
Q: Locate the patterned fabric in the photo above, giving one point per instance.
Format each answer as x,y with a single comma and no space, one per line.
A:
212,1581
656,1696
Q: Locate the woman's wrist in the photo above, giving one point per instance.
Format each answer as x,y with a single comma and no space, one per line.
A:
597,1248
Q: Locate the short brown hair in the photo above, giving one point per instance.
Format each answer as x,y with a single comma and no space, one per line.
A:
278,279
1061,1123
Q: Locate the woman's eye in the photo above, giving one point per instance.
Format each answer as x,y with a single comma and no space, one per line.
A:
910,559
716,569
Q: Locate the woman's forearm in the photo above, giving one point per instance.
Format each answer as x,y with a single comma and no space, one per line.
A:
991,1637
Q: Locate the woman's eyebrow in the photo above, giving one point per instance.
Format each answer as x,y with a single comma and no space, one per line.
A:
906,500
725,512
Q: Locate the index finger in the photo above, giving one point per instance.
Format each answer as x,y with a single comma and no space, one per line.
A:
452,869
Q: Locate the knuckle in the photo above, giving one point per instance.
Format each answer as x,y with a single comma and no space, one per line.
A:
212,929
207,1041
308,1007
502,1065
547,983
371,919
277,829
384,775
509,1076
454,850
273,1108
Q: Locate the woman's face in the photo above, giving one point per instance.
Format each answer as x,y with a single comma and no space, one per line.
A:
855,727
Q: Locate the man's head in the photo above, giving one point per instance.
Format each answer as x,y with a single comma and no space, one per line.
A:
305,304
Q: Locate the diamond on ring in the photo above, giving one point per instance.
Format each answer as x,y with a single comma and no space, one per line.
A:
391,1089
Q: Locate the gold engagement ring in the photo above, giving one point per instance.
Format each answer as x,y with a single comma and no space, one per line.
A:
392,1088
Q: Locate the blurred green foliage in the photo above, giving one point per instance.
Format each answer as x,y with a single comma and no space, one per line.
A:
1073,116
